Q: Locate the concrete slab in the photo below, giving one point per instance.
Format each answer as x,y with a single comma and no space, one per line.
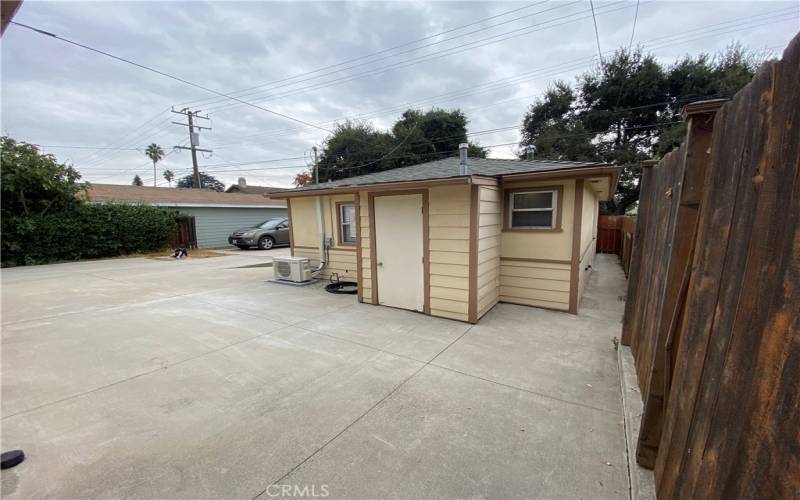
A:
216,427
546,352
446,435
400,332
46,360
138,378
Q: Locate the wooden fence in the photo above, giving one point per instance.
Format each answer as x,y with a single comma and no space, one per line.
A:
713,310
609,237
615,235
185,234
627,230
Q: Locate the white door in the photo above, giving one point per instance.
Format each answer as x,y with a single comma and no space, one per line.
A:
398,248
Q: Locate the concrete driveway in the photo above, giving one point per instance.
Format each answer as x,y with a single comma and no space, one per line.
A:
136,378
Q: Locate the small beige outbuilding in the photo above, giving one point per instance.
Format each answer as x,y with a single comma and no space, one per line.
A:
453,237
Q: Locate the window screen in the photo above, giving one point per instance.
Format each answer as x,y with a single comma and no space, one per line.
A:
534,209
347,231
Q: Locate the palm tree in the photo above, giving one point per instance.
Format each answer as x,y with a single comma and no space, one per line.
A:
169,176
156,154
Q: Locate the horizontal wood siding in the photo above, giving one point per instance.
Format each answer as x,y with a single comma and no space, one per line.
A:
341,262
449,211
366,264
490,225
535,284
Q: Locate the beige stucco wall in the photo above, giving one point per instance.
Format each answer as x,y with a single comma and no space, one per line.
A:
341,258
448,219
489,235
535,281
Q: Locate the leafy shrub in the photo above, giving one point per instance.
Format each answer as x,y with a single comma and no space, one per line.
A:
84,232
45,218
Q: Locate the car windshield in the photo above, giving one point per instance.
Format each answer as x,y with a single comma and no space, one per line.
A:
270,224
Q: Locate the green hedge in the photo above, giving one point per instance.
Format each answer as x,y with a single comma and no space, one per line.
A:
85,232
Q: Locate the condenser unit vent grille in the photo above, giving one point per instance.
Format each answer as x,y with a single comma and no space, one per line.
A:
284,269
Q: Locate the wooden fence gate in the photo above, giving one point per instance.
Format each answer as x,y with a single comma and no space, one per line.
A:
713,310
615,235
185,233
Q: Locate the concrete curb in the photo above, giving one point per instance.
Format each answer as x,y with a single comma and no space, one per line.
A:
642,481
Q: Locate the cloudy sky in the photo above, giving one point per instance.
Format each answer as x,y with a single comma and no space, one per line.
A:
319,62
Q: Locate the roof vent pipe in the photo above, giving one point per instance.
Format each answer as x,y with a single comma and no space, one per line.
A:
530,152
462,158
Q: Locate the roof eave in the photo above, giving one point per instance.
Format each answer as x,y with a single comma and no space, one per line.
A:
610,171
570,173
379,186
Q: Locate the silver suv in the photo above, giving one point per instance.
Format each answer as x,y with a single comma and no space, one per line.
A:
266,235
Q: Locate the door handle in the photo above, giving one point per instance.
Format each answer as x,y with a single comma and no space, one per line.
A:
380,263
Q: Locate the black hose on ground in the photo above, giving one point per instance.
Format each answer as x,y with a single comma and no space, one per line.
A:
343,287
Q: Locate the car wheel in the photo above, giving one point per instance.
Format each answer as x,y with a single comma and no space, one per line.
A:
265,243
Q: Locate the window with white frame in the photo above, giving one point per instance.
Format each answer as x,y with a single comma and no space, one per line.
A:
347,223
532,209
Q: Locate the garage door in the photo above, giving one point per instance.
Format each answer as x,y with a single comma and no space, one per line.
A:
215,224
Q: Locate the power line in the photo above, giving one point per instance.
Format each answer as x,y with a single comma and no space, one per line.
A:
51,146
668,43
383,51
439,55
96,159
728,22
416,48
597,33
513,80
633,29
683,100
387,156
167,75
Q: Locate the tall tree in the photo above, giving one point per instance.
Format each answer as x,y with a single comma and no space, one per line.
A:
156,154
137,181
354,148
169,176
206,182
357,148
553,126
626,110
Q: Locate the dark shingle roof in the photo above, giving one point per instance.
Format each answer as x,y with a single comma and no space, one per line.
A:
448,167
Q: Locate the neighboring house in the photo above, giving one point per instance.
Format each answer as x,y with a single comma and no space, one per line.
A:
242,187
453,237
216,214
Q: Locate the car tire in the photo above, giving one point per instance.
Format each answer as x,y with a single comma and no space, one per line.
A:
266,243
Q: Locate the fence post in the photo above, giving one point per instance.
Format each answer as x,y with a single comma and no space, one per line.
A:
680,238
643,225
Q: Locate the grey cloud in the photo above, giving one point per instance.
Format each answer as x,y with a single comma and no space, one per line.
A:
53,93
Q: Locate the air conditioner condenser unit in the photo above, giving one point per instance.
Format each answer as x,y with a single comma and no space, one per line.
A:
292,269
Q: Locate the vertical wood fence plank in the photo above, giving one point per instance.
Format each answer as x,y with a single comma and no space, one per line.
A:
713,309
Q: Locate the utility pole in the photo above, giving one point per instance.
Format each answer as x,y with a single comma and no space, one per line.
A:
194,139
316,165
